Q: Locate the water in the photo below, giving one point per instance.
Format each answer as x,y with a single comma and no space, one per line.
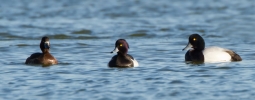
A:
82,33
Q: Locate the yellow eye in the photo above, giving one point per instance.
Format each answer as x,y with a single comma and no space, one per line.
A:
121,45
194,39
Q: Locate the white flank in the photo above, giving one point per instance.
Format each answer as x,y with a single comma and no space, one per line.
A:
216,54
135,63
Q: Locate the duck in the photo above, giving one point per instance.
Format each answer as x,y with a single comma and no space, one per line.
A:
198,52
44,58
122,59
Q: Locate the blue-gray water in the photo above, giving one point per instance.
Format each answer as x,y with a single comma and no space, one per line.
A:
83,32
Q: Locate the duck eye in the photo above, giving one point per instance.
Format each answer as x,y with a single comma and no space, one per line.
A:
194,39
121,45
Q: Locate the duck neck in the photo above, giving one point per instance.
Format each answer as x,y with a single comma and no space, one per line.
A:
123,51
197,49
201,46
45,51
122,54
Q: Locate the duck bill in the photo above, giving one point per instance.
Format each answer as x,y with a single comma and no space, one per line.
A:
115,50
46,44
187,47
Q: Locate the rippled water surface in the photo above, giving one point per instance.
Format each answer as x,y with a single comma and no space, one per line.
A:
83,32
